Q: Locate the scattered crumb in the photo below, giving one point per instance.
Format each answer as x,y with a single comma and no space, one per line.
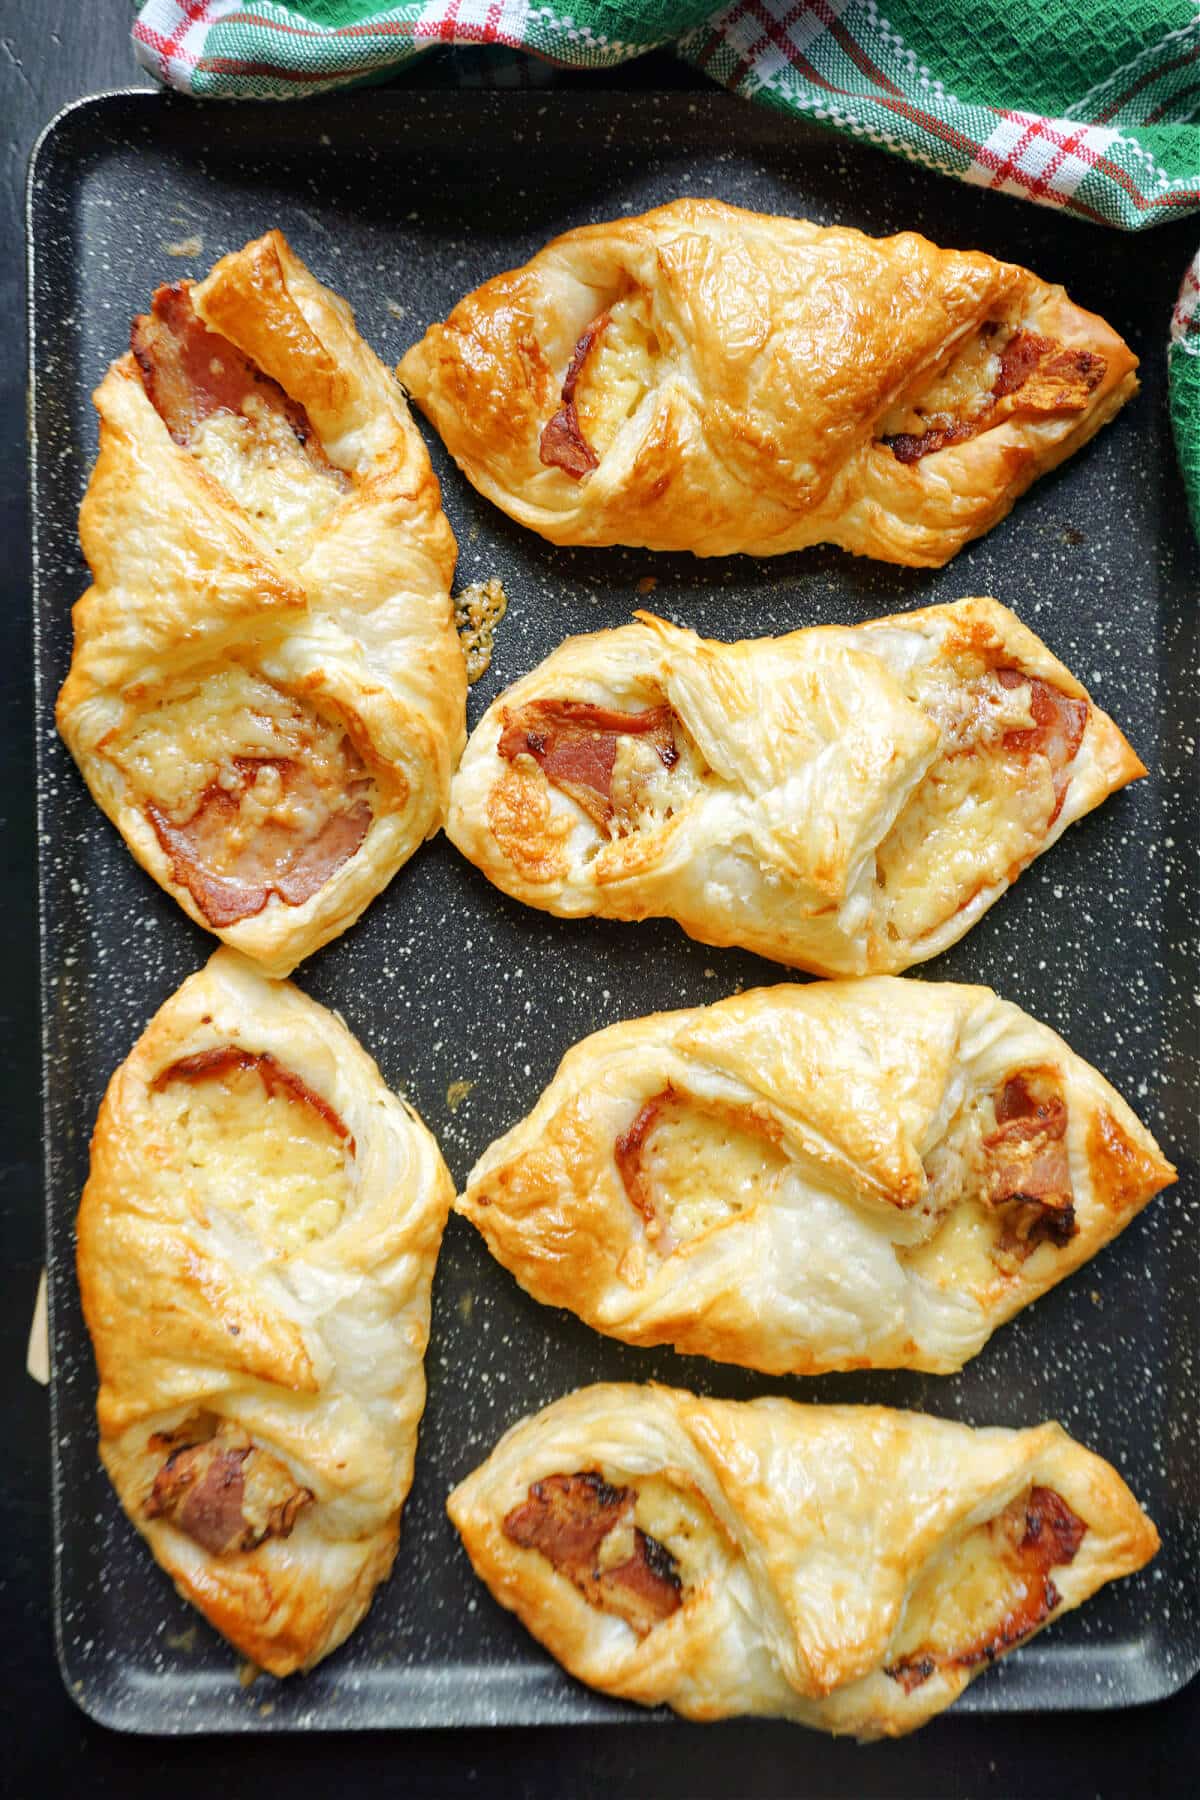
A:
1096,1297
182,1640
456,1093
647,584
477,612
248,1673
266,1709
466,1307
188,246
1071,536
394,307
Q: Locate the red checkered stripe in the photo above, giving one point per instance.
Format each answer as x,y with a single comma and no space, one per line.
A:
1185,319
844,64
253,47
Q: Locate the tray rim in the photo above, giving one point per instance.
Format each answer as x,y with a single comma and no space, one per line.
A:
93,1703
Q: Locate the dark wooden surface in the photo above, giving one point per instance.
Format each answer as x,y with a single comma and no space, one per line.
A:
52,51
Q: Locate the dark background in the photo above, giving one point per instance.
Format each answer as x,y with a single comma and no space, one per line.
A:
51,51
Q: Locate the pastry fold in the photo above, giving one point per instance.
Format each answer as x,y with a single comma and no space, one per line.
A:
709,379
267,695
256,1243
844,800
848,1567
841,1175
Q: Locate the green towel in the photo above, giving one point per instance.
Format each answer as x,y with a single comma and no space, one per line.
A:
1087,105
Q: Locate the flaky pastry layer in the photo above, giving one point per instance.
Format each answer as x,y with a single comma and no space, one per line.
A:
848,1567
845,800
709,379
267,695
841,1175
256,1243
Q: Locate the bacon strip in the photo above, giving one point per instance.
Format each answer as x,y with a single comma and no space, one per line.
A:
575,745
1046,376
1051,1539
908,447
189,373
276,860
274,1076
226,1494
1057,730
1029,1171
562,444
627,1152
567,1518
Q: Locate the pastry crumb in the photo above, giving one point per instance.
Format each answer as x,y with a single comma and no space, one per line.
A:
188,246
477,612
647,584
466,1307
182,1640
394,307
456,1093
248,1673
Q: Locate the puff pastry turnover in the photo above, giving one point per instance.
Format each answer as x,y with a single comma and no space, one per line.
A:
257,1239
848,1174
267,695
708,379
848,801
848,1567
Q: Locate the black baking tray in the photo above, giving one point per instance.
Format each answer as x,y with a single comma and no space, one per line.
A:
402,201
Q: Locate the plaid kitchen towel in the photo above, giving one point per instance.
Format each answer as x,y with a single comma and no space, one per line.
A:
1086,105
1185,386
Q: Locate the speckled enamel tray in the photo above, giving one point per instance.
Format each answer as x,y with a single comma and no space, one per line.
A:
402,201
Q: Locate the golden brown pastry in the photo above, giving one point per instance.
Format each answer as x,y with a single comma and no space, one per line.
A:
844,1175
848,1567
257,1239
848,801
267,695
708,379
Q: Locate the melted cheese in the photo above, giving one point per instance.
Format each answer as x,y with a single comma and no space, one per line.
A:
225,1143
190,741
621,369
958,1253
965,1593
645,792
703,1170
959,391
257,458
981,811
958,1258
974,823
682,1523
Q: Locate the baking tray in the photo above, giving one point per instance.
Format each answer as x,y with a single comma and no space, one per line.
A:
402,201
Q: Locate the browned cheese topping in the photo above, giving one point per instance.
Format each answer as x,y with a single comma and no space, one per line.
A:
189,373
585,1528
1037,1533
575,745
1036,375
311,818
224,1491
